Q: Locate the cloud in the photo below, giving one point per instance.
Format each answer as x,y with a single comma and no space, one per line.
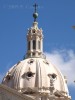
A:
65,61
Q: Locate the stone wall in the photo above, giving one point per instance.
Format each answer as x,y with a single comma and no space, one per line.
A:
10,94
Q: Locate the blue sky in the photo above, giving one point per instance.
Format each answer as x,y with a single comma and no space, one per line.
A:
56,18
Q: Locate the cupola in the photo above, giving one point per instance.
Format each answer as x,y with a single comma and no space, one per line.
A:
35,39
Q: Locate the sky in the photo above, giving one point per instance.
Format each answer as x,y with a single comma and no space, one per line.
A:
56,18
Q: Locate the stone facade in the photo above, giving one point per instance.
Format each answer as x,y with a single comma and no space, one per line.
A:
7,93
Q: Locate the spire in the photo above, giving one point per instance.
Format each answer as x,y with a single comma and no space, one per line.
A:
35,14
35,6
34,38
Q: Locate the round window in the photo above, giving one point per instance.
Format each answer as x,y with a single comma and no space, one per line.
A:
54,76
29,74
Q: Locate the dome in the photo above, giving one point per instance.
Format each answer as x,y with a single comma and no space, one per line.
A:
33,73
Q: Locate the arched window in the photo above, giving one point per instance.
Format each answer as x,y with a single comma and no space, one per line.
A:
34,44
38,44
28,45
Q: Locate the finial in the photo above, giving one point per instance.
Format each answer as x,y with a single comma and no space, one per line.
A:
35,6
35,14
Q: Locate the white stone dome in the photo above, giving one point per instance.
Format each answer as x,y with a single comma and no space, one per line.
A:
32,73
34,76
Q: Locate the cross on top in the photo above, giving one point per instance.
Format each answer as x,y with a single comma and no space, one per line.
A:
35,6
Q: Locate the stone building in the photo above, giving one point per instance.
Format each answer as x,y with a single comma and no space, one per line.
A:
34,78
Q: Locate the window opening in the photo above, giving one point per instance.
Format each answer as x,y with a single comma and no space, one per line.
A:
38,44
33,31
34,44
28,45
31,61
33,54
